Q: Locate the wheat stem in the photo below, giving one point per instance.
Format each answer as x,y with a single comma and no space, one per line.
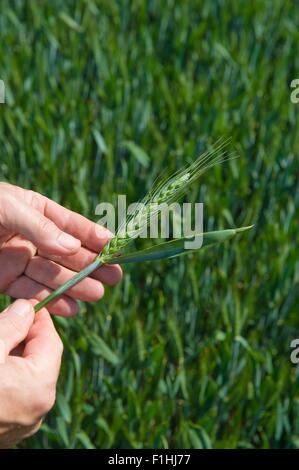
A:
165,192
71,283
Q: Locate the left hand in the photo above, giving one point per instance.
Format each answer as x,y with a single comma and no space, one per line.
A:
42,245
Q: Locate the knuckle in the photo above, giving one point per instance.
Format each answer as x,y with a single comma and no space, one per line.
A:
34,199
34,267
46,226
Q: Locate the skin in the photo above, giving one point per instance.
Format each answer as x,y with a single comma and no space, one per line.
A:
34,262
30,356
42,245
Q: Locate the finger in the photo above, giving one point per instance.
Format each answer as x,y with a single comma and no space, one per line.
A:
15,323
52,275
92,235
19,217
107,274
14,257
43,346
27,288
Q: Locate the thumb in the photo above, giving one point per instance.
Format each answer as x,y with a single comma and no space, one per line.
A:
18,217
15,323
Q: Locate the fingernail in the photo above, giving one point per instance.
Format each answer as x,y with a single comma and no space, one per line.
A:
103,233
68,242
21,308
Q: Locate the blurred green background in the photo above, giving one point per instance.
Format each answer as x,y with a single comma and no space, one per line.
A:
193,352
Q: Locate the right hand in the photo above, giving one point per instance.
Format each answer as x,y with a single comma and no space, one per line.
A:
30,357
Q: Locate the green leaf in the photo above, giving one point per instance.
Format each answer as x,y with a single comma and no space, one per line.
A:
137,152
199,439
70,22
62,430
64,408
175,247
255,355
99,141
100,347
85,441
205,439
194,439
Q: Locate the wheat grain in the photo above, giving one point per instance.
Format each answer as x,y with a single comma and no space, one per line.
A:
164,192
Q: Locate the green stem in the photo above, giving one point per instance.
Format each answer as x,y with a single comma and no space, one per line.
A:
72,282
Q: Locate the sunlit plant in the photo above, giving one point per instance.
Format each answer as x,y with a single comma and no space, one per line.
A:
165,191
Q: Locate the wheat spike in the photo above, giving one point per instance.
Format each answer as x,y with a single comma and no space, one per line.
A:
166,191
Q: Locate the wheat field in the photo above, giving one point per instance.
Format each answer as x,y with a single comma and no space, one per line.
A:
101,97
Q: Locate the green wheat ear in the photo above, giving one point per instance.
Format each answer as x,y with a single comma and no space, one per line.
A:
166,191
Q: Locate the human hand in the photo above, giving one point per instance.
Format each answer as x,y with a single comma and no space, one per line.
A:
28,374
43,245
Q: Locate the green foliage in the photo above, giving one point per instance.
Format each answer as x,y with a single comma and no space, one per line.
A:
174,247
101,96
158,251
